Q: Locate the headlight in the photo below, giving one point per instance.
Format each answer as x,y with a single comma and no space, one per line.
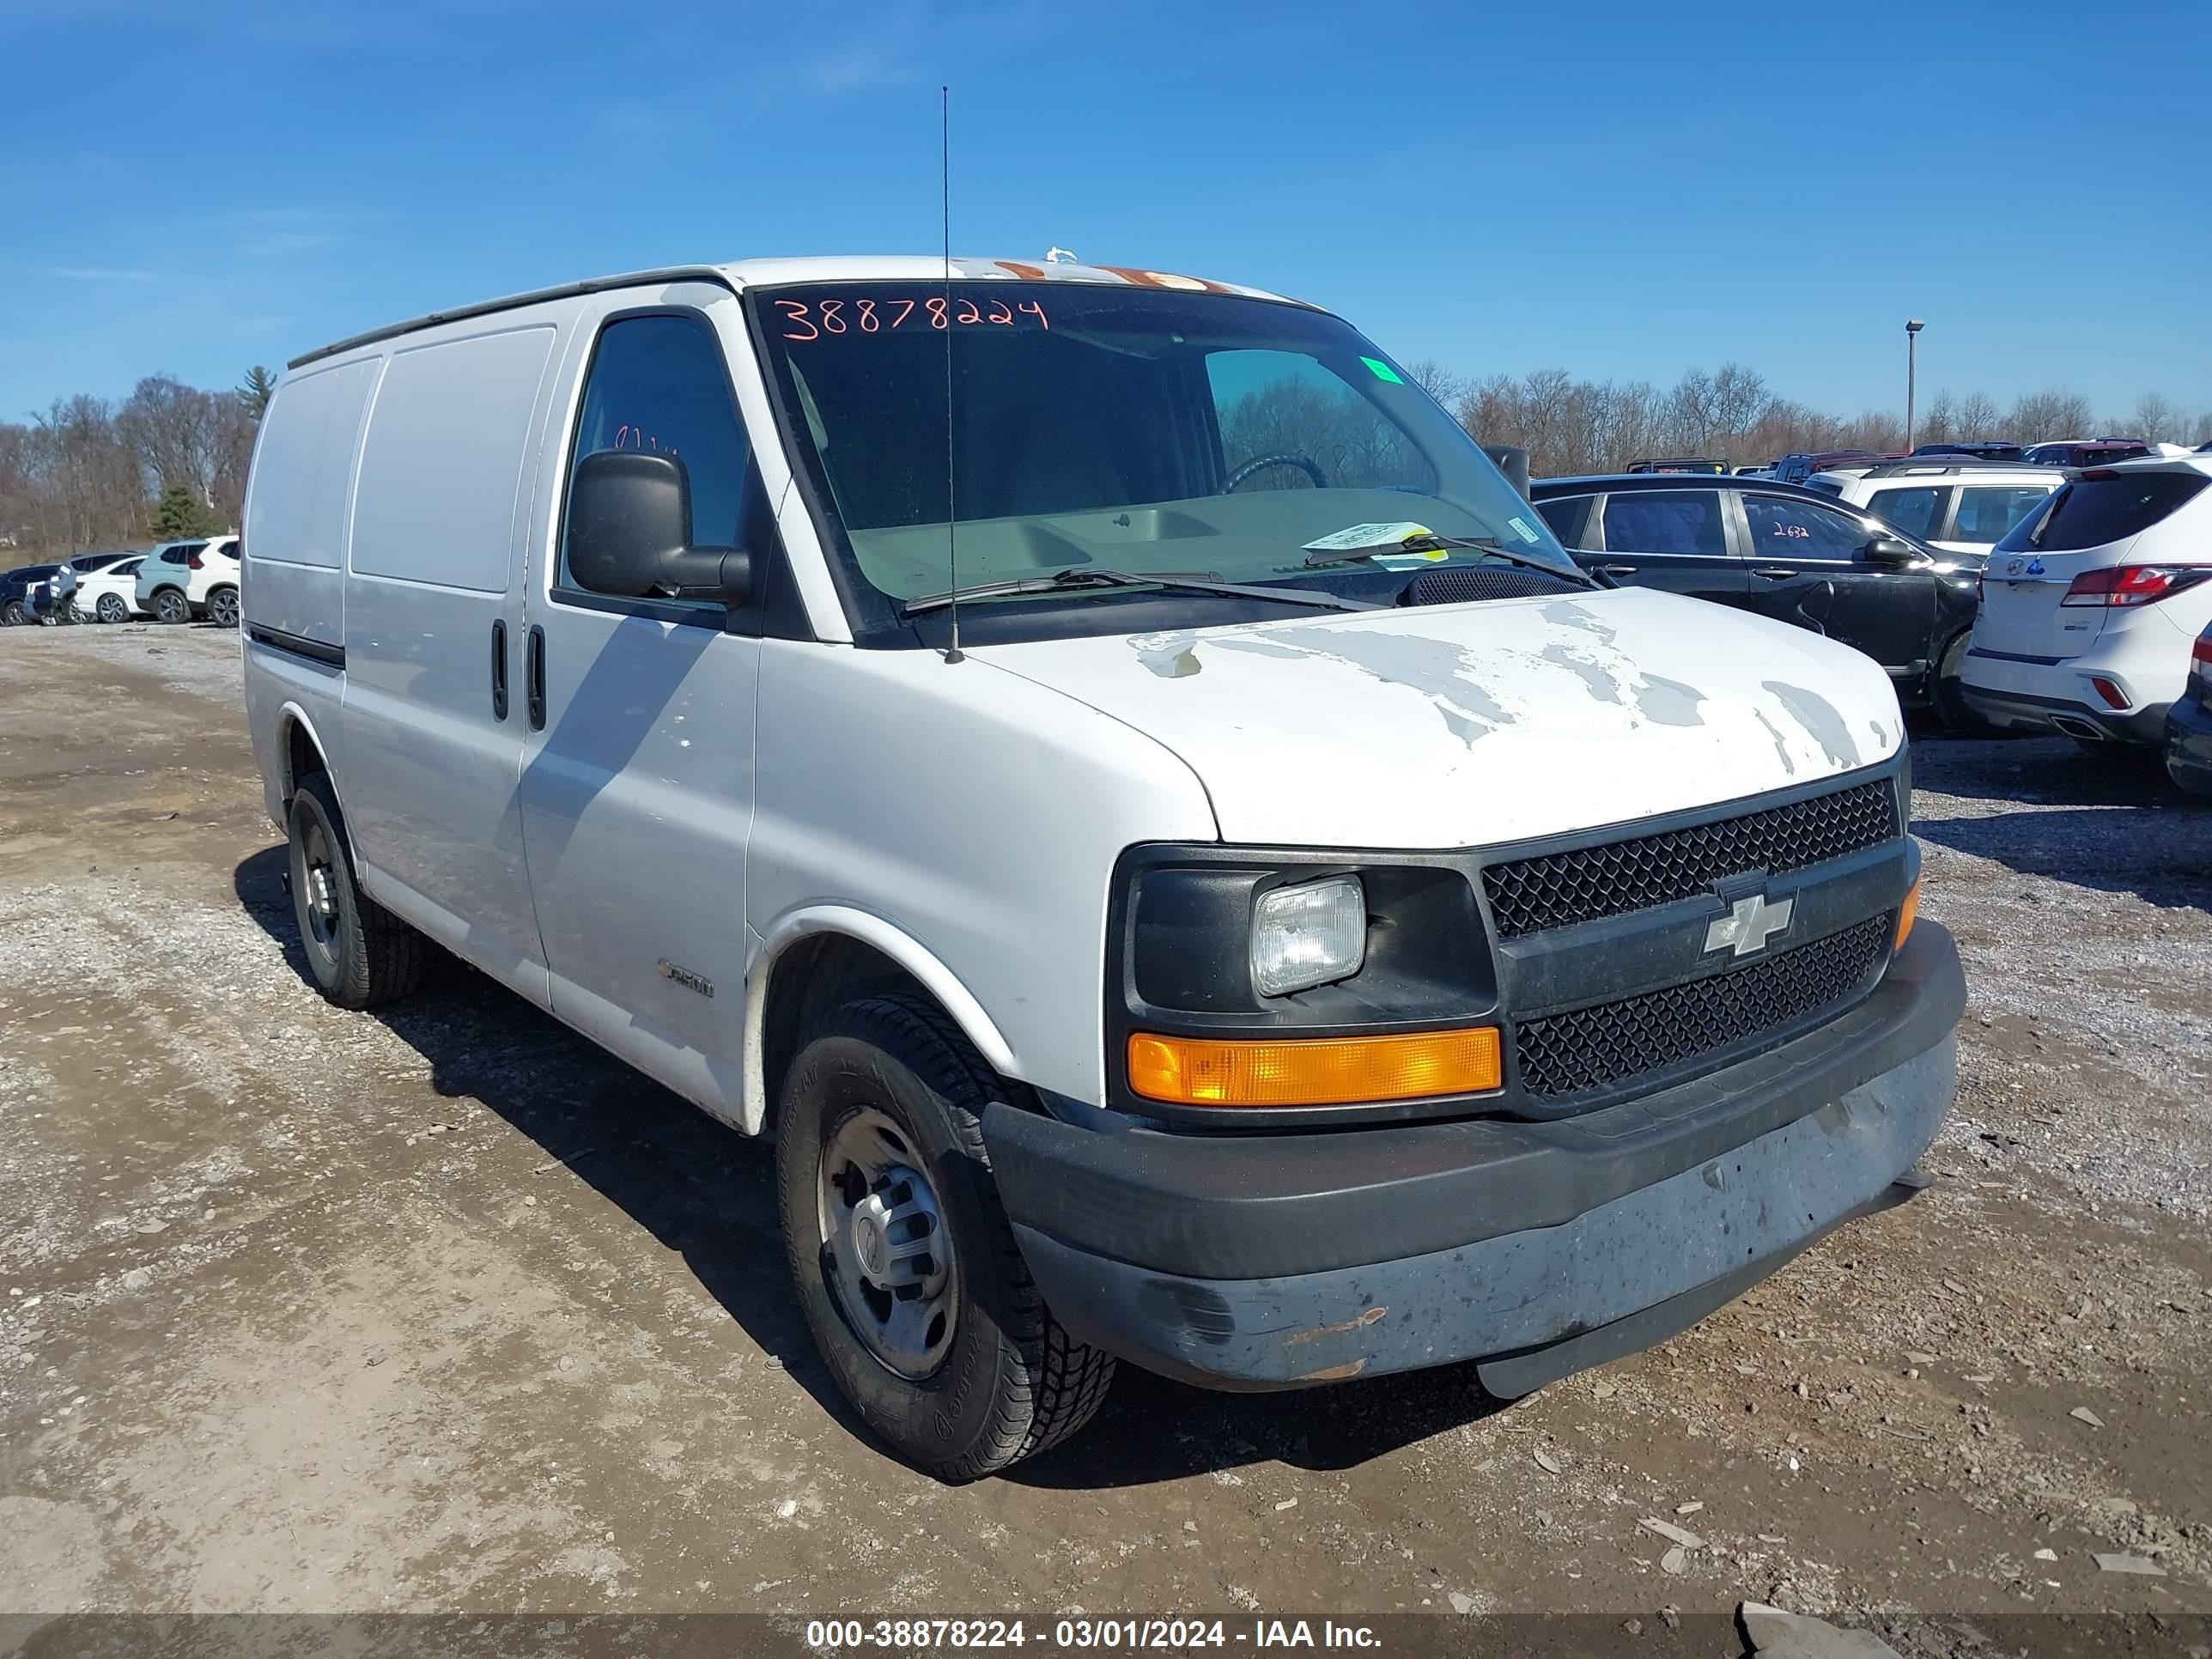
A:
1309,935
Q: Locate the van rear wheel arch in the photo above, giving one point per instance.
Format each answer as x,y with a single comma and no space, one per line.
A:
358,954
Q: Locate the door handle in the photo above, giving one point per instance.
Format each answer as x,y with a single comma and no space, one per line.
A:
1616,570
499,669
537,675
1773,573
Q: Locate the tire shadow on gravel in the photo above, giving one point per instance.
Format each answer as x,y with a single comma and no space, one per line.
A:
698,1188
709,1194
2164,859
2054,771
1153,1430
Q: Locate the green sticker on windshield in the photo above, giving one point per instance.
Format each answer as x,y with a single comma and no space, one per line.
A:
1383,371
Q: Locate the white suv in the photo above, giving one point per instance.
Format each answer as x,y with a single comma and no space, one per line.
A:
179,581
1960,506
2089,607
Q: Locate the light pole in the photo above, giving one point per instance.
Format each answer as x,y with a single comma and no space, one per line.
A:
1912,328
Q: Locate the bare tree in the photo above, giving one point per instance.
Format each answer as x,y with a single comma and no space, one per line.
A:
1446,385
2156,420
1941,423
2044,416
175,429
91,489
1979,416
1740,396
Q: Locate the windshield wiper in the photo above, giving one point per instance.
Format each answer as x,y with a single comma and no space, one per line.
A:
1488,544
1081,576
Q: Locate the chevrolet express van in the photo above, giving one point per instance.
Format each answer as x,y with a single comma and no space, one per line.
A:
1103,770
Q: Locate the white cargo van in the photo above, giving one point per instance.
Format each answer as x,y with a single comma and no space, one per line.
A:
1282,923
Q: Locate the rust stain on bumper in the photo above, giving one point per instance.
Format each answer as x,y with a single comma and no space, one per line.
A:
1334,1373
1338,1329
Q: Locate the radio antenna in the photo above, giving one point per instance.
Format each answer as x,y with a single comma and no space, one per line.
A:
951,506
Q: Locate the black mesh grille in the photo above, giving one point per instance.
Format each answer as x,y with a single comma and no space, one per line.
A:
1558,889
1589,1048
1482,582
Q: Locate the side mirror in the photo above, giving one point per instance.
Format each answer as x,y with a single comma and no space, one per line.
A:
629,533
1513,461
1891,553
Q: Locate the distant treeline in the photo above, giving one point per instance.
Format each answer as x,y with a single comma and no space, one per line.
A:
1569,426
89,472
170,460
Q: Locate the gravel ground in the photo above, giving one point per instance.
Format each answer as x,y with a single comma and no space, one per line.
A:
443,1309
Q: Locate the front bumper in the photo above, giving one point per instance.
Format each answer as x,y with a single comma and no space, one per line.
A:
1270,1261
2189,745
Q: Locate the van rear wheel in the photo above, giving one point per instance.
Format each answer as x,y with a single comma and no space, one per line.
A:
358,952
904,1261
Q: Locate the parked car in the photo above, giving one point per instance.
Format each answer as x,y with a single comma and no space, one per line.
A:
2189,723
16,591
1958,506
1682,464
179,580
2095,451
42,601
2088,605
1317,966
1795,469
1989,451
1765,470
1784,551
109,593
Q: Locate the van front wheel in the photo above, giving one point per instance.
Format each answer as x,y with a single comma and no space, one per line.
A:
359,953
905,1263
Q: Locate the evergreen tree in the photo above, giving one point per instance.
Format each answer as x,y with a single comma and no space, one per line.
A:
180,514
258,388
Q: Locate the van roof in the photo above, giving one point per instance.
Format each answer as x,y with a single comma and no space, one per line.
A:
738,275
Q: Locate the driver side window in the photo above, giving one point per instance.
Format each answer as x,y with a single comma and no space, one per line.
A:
1308,428
657,383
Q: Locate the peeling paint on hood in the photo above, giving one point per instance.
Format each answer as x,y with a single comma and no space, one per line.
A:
1456,726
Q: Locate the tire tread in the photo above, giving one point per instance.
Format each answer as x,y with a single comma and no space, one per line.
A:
1060,1382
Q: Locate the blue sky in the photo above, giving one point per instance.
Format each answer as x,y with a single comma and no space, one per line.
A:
1624,189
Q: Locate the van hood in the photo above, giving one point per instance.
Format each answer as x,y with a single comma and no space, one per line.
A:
1473,725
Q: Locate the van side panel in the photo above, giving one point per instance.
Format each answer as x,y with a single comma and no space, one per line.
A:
292,588
447,471
295,523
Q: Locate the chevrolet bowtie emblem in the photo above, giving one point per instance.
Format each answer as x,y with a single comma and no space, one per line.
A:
1750,925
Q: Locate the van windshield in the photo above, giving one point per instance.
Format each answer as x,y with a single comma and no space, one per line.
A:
1129,428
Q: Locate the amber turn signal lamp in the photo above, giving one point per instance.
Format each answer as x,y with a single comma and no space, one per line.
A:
1905,915
1313,1071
